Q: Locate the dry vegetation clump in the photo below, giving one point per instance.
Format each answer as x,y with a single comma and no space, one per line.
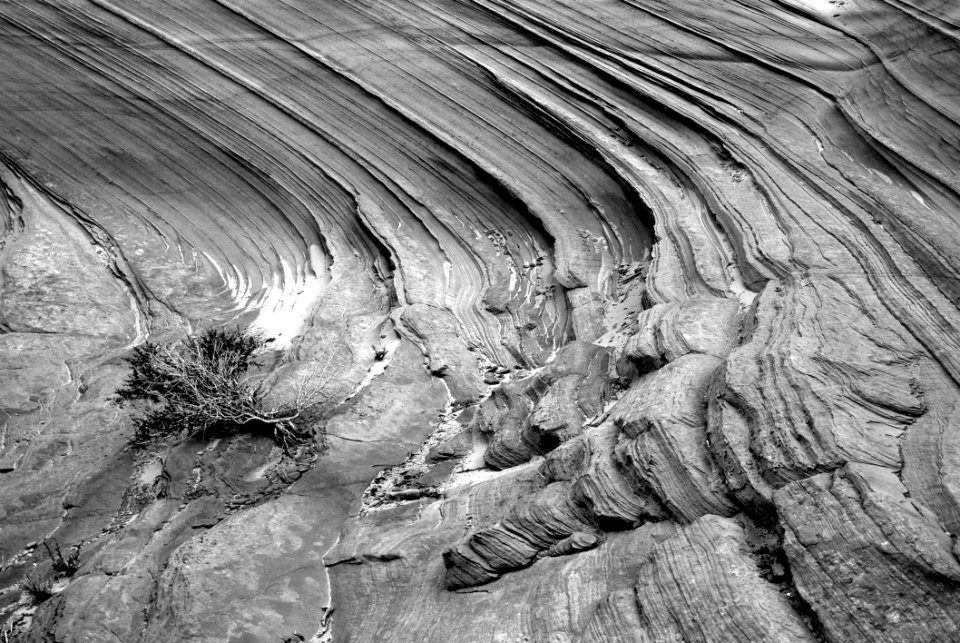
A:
203,386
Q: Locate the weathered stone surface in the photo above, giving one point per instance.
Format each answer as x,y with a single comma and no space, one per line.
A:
665,332
645,316
105,599
700,585
663,443
533,415
259,567
871,562
553,600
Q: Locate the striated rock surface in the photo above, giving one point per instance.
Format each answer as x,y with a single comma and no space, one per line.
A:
702,584
643,318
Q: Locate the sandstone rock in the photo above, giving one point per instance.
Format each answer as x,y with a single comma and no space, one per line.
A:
712,592
871,563
933,439
553,599
576,542
447,356
688,269
663,443
102,601
533,525
696,325
603,487
586,492
796,360
534,415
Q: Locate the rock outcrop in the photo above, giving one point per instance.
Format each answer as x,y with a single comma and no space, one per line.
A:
644,315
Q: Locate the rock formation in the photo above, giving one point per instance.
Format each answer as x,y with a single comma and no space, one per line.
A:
646,316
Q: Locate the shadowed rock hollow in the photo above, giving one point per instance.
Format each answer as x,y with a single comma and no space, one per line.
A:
648,314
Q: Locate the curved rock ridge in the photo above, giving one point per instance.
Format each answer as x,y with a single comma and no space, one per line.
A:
647,311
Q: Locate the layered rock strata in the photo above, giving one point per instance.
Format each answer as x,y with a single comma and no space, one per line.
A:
645,315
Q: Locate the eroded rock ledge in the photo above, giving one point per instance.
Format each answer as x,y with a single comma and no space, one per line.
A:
651,311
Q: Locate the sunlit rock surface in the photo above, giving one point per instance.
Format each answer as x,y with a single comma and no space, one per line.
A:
646,316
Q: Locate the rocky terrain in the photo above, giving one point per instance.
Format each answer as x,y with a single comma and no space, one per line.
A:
645,315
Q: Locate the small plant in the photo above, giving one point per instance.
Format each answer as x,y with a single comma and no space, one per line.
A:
201,386
63,565
38,587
